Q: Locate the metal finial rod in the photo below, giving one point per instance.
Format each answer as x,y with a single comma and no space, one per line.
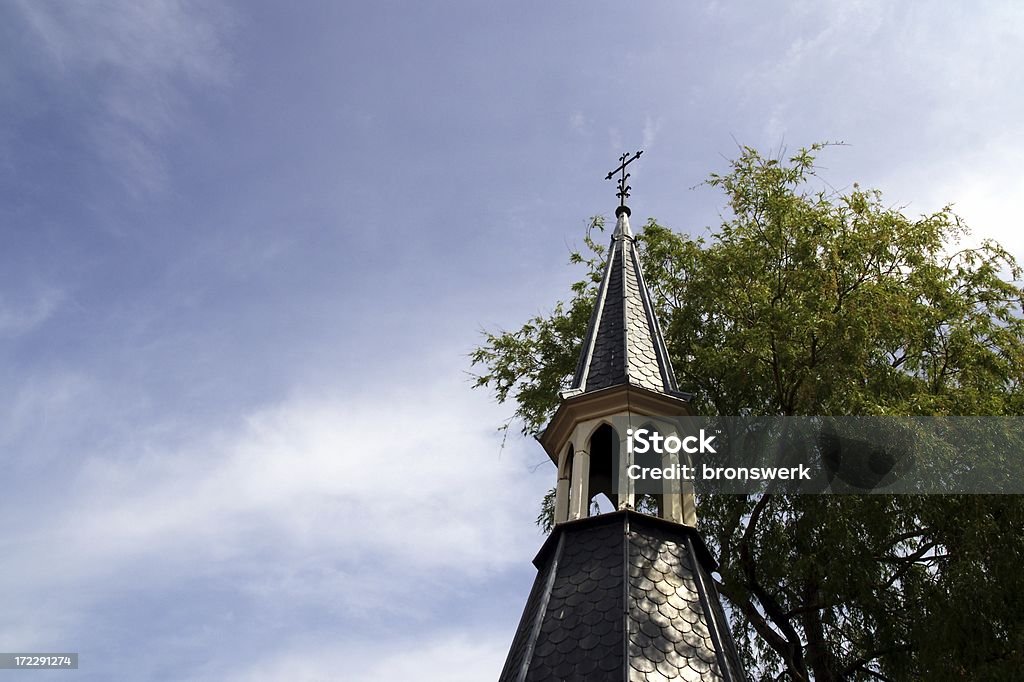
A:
624,161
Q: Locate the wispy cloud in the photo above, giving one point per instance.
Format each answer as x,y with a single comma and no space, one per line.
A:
615,139
579,123
829,29
652,126
136,61
21,317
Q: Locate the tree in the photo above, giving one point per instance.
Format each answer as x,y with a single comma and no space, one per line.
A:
810,301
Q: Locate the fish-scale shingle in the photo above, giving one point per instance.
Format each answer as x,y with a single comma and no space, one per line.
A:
622,596
624,344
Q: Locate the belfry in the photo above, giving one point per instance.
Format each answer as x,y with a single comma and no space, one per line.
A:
622,595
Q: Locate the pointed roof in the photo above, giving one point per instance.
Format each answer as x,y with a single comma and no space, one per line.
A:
624,343
623,596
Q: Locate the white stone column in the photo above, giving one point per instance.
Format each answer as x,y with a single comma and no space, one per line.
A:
562,487
627,489
562,500
579,493
689,505
671,489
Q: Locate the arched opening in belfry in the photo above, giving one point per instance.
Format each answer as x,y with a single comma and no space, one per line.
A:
600,504
604,445
565,470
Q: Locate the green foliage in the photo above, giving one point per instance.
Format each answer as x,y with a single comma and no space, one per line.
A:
810,301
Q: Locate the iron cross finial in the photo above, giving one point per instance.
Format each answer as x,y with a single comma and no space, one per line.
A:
624,161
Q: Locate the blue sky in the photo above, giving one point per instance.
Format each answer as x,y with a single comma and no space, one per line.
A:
246,247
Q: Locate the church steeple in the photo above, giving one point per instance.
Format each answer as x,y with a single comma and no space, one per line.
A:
624,344
623,376
621,595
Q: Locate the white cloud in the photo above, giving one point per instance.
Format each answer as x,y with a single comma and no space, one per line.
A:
309,472
984,185
299,504
928,96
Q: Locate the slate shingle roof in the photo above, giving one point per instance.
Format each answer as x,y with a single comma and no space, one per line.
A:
622,596
624,344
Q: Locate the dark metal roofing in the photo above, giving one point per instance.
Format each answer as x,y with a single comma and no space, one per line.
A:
624,344
623,596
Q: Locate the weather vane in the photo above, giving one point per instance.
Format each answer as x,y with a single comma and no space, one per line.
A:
624,161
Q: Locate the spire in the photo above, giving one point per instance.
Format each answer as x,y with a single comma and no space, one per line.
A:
624,344
620,596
